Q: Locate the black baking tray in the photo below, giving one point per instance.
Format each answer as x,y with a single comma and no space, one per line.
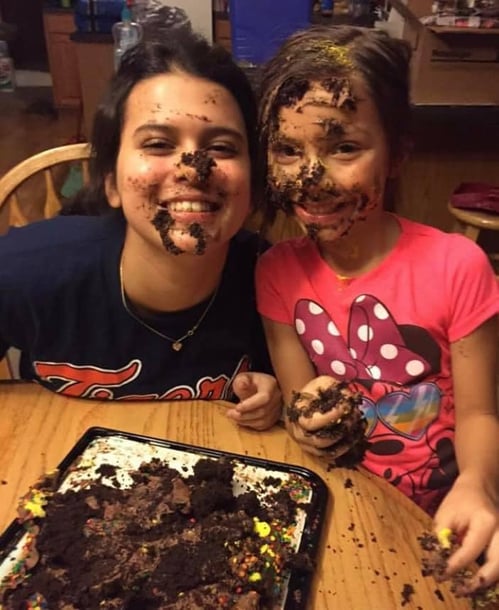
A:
313,519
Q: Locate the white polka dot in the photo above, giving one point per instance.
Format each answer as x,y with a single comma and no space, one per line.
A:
374,371
414,367
314,309
380,312
333,330
365,333
338,367
318,347
300,326
361,298
389,351
353,353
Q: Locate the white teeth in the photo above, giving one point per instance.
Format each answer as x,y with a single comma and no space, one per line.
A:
189,206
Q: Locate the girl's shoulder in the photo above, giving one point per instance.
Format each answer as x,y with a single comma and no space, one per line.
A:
61,233
422,236
58,249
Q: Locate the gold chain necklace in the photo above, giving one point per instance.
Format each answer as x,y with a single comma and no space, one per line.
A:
177,344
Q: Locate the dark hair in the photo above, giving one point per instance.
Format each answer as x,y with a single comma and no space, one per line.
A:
322,52
183,50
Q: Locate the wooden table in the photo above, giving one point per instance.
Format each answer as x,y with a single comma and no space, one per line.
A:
370,549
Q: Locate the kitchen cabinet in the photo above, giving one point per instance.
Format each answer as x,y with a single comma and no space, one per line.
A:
58,26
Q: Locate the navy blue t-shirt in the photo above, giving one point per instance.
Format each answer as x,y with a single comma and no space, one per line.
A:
60,304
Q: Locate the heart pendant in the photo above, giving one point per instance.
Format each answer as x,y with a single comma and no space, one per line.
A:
177,346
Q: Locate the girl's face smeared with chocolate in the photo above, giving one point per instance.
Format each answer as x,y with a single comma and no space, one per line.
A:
328,157
183,169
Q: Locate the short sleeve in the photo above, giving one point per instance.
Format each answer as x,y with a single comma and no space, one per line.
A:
270,287
473,286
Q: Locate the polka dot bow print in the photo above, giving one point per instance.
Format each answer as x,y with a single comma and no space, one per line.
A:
376,348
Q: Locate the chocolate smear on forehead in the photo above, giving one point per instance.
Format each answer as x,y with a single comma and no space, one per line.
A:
201,161
341,90
163,222
332,128
291,91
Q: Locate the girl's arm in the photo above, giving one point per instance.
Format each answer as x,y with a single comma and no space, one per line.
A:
294,371
290,361
471,507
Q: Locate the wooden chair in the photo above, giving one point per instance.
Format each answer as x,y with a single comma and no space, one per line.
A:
471,223
49,162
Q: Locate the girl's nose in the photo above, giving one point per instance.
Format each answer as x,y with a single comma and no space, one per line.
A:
194,167
311,173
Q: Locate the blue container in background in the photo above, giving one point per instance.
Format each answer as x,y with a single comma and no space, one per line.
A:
97,15
260,26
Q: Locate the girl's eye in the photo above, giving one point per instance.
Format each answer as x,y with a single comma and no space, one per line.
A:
345,148
222,150
285,153
157,146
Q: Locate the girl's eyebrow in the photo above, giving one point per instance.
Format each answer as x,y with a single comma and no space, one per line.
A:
282,139
210,131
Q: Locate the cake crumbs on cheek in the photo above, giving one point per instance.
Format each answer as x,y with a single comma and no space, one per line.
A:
197,231
163,222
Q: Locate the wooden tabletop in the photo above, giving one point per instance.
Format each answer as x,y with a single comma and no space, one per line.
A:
370,549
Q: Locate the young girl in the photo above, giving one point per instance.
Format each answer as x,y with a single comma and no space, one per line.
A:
155,298
402,312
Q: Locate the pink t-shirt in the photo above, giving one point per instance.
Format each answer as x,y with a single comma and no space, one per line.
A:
388,333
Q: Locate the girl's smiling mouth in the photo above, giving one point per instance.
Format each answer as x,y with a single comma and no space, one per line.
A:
188,206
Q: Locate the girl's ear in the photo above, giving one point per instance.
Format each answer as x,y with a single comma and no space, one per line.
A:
112,192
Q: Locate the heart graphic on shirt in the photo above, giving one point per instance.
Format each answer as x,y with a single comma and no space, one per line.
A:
406,412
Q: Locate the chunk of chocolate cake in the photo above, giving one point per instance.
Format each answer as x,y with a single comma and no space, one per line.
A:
438,549
347,431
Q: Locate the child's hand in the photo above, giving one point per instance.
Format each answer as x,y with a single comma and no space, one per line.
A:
305,429
261,400
471,513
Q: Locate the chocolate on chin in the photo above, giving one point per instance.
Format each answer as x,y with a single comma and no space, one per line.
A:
347,431
171,539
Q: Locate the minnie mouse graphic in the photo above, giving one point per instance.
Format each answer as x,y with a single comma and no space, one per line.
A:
396,369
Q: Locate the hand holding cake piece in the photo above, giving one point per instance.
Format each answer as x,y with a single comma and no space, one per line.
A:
438,549
325,417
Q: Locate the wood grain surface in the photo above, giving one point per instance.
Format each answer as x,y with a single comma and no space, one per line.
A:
369,550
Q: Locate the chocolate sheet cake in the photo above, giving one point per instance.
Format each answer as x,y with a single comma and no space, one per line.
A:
203,534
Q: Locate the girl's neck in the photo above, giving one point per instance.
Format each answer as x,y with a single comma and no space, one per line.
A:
363,249
157,281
